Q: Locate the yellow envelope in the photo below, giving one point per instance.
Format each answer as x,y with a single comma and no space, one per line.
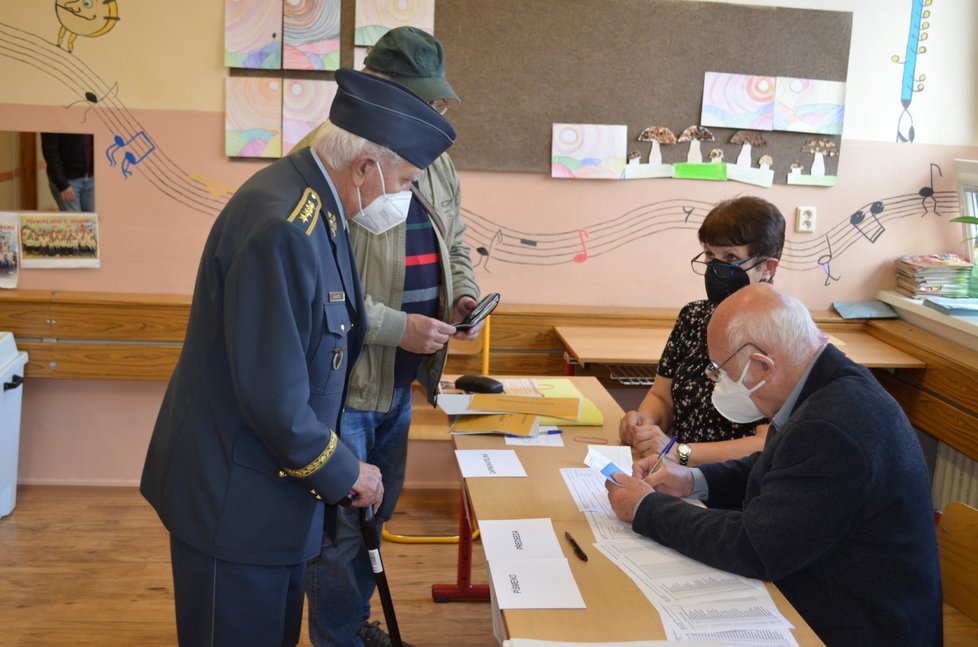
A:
569,408
515,424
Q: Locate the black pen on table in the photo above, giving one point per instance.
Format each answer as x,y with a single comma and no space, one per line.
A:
577,547
663,453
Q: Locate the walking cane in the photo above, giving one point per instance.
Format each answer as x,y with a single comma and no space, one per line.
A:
368,528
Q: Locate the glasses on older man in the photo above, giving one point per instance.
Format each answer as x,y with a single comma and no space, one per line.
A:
701,263
713,369
441,105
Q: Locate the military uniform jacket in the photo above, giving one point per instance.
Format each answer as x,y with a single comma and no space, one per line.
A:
246,447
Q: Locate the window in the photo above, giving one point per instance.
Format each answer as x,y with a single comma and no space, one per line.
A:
967,172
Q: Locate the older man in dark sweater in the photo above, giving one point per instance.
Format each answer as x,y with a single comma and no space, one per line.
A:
836,509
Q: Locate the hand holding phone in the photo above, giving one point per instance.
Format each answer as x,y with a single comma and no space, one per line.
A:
479,312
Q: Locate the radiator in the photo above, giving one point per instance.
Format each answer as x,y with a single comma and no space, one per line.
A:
955,478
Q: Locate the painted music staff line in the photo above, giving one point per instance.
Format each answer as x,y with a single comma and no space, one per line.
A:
866,225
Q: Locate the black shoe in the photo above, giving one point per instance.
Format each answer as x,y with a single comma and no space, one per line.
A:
373,636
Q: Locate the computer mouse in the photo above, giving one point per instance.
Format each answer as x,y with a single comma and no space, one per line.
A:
478,384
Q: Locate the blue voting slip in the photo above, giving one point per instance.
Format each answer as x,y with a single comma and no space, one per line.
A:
608,471
958,306
864,310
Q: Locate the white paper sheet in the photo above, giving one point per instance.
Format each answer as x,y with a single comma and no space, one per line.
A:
534,584
474,463
519,539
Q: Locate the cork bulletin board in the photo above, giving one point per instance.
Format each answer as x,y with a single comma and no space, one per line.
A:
522,65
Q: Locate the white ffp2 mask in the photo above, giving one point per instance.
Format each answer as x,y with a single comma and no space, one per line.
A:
387,211
732,399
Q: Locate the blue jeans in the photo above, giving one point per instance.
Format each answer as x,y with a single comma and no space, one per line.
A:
84,188
339,583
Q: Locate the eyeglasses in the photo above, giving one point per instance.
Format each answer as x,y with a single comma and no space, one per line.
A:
441,105
720,268
713,369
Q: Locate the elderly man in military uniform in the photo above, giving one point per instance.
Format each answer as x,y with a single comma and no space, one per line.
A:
247,463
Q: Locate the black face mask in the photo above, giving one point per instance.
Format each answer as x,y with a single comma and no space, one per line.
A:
722,280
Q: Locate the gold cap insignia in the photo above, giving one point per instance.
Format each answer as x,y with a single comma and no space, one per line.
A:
331,218
307,211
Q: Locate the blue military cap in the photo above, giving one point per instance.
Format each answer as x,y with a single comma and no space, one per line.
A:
390,115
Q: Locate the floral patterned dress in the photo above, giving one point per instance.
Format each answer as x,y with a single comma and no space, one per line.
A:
684,361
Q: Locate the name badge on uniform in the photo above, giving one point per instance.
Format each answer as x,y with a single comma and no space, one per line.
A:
337,297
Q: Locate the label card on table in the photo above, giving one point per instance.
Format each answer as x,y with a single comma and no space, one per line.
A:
489,463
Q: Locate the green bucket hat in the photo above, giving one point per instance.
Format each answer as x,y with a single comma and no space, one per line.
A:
413,58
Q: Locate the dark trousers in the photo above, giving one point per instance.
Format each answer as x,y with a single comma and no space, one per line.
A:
221,603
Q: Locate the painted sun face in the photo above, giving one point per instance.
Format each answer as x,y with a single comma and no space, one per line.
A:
87,17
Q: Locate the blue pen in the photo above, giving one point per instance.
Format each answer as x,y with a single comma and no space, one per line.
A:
549,432
663,453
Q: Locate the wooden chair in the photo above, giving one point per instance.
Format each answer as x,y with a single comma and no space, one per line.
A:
425,420
957,538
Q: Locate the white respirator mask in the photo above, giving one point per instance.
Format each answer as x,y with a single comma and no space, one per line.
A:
387,211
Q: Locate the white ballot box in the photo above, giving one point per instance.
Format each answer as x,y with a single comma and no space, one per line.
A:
12,377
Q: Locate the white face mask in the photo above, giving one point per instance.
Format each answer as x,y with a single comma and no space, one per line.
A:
387,211
732,399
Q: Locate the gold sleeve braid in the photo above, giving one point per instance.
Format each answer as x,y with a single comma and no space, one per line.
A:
317,463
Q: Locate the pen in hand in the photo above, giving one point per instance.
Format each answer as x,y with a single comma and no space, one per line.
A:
663,453
577,548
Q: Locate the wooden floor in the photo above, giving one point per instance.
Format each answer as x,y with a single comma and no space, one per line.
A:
90,566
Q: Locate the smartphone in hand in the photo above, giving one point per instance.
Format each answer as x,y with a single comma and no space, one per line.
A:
480,312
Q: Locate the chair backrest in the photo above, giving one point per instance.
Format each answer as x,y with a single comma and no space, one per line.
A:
479,346
957,538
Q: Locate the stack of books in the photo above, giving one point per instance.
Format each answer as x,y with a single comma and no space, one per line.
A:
933,275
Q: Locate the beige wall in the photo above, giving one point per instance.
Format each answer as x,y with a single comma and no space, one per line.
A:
160,70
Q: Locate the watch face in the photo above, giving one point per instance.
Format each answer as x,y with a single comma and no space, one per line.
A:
684,452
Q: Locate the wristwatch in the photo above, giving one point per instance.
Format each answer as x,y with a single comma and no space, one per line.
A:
684,451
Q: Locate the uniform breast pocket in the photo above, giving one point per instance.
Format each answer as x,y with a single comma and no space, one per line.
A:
328,368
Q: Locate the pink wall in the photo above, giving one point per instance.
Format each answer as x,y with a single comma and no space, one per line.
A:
638,238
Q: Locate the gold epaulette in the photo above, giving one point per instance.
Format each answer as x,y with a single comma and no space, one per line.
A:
317,463
306,212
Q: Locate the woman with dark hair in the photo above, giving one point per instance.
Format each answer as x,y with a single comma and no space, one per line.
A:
742,241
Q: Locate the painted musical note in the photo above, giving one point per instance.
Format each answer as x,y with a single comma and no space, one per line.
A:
905,131
485,255
130,158
528,242
871,229
928,191
581,256
825,259
92,99
688,211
